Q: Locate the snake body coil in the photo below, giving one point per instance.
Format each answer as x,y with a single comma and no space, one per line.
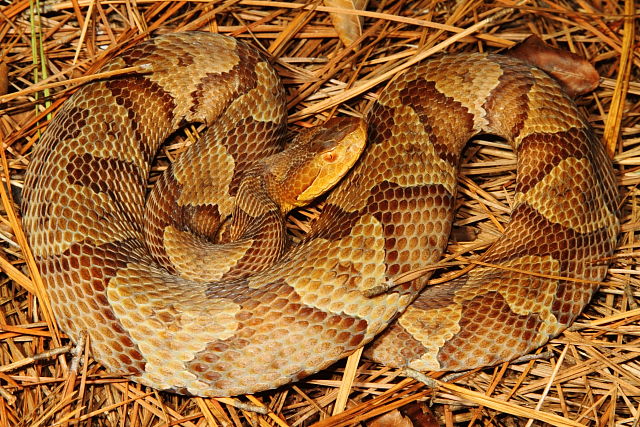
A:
157,307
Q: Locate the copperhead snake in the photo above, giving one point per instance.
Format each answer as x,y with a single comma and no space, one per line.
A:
159,308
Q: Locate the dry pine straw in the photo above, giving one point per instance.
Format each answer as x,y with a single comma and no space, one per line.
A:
591,374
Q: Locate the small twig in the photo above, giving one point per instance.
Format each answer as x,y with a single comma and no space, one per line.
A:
631,300
77,352
529,357
40,356
419,376
10,398
243,406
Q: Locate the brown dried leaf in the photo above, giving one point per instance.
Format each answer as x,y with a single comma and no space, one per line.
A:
349,27
391,419
415,414
420,414
576,75
464,234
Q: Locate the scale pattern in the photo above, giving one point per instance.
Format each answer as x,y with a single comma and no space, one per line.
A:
108,264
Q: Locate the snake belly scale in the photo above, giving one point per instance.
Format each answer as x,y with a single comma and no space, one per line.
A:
114,273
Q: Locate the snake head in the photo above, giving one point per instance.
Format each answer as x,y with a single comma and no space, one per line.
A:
316,160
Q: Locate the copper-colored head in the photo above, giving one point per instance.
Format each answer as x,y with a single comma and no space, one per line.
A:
315,161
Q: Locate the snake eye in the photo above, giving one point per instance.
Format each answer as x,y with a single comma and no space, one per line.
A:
329,157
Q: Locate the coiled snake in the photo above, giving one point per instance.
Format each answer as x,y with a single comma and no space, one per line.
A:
161,308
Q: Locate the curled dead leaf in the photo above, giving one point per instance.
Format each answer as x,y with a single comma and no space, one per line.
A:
576,75
415,414
349,27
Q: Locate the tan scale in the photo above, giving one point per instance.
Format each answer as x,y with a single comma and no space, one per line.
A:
548,104
574,212
479,80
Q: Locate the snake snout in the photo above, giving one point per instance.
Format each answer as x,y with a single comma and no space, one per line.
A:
338,144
